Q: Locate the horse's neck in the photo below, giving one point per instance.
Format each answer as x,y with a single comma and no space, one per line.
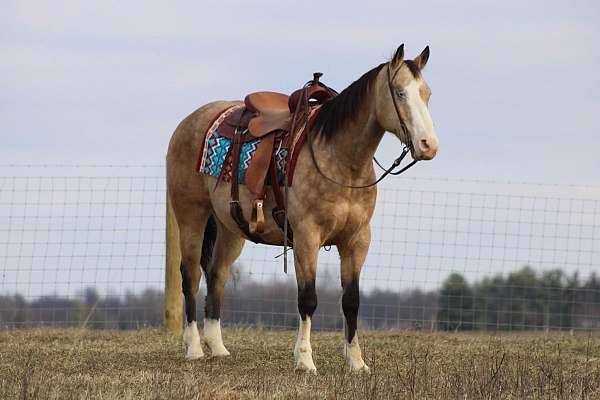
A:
352,149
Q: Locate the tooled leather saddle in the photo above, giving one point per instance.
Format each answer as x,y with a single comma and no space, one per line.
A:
270,117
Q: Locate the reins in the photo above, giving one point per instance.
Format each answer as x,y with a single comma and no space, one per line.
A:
395,164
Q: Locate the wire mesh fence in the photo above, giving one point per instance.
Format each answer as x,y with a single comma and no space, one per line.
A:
85,245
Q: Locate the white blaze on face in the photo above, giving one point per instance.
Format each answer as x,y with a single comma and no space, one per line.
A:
420,124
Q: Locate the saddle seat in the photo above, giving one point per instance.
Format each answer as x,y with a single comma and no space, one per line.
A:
272,112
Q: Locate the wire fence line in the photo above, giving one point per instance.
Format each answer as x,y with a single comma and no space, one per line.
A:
86,245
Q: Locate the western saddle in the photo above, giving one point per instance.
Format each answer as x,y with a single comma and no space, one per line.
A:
269,116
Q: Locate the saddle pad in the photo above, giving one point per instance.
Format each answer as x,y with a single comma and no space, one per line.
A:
216,148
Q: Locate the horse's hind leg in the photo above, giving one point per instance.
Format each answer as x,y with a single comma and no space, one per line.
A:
227,249
192,221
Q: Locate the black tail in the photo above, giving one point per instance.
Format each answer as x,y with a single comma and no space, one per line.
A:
210,236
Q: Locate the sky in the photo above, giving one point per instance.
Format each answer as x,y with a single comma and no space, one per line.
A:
515,84
516,97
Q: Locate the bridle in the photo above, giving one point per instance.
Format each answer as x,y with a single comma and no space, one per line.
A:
389,171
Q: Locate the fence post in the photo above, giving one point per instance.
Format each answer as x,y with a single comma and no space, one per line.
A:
173,297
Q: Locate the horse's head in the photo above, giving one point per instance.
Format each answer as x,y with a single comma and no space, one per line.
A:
402,104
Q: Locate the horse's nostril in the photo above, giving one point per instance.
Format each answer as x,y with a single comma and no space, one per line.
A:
424,145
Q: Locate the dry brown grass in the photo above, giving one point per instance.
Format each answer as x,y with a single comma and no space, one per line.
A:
147,364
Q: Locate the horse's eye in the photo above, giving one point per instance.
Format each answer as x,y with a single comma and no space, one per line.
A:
401,94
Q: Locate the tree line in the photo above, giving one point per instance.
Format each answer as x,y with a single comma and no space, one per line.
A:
271,304
520,300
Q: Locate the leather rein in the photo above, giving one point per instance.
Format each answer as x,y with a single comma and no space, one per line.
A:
397,161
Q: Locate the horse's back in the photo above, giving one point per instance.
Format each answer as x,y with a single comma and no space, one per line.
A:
189,134
183,181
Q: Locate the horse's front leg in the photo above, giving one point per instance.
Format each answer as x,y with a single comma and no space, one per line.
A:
352,257
306,250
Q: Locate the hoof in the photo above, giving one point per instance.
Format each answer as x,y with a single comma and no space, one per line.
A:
194,351
222,352
308,368
194,355
364,369
304,361
354,359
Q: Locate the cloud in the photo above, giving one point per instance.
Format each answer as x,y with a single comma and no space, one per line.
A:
510,83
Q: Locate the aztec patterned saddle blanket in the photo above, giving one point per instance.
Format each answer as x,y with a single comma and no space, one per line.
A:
216,157
214,160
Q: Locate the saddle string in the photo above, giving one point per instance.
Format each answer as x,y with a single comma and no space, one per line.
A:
285,186
396,162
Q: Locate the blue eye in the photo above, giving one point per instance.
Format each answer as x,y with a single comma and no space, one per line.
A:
401,94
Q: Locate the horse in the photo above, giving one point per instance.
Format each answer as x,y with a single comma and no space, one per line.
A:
324,206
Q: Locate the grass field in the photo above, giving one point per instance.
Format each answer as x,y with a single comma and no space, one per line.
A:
148,364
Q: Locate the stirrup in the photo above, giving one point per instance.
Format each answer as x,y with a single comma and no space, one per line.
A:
257,221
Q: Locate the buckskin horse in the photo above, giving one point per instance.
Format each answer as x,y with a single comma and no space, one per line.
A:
330,201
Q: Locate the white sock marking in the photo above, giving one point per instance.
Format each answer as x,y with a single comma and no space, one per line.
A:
191,337
353,356
213,337
302,349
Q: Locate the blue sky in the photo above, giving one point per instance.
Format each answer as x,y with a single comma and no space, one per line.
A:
515,84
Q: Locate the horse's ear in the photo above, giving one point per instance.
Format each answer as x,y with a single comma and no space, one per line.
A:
398,56
422,58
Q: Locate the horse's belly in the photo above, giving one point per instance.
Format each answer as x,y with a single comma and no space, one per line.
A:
220,197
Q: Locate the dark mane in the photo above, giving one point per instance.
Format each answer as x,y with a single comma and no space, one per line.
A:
336,112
